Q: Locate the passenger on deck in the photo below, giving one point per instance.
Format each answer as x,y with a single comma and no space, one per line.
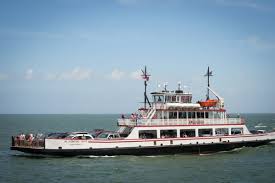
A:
22,136
31,137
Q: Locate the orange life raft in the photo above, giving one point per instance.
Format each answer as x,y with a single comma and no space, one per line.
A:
208,103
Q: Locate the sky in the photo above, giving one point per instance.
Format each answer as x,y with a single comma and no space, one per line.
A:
85,56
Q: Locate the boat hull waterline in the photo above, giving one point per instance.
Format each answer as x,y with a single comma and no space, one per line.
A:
145,151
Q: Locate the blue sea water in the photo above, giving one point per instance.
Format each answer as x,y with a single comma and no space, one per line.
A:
243,165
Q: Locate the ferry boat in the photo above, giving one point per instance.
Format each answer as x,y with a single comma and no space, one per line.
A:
169,124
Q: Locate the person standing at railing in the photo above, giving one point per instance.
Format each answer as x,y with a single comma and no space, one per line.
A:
30,139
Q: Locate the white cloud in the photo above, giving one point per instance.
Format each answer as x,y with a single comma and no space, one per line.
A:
242,3
259,43
117,74
29,74
136,75
51,76
77,73
3,77
126,2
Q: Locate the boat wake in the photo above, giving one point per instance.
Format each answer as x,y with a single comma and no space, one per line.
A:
260,125
93,156
236,150
30,156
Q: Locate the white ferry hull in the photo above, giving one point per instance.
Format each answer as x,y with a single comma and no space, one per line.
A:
153,146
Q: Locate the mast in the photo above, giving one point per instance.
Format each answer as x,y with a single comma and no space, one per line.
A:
145,76
208,74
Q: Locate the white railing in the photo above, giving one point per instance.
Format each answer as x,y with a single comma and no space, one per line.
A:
152,122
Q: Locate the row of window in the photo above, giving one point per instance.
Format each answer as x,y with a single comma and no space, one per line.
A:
151,134
184,115
174,98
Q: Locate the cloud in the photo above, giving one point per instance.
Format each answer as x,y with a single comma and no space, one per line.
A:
117,74
29,74
3,77
136,75
31,34
259,43
77,74
126,2
242,4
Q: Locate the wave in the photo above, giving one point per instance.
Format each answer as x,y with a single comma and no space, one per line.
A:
259,126
223,152
93,156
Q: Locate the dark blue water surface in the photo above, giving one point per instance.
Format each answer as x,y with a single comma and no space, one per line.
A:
241,165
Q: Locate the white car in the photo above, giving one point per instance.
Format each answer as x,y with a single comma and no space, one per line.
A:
80,136
108,135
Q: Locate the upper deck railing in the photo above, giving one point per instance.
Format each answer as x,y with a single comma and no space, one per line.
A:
162,122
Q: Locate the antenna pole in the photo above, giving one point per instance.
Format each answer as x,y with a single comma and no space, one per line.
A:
145,77
145,87
208,74
208,84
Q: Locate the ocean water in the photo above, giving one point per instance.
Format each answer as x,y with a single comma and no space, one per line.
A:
240,165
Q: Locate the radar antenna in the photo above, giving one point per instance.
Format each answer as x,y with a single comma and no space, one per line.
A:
145,76
208,74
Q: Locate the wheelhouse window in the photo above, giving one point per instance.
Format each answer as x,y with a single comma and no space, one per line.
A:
168,98
174,98
221,131
205,132
187,133
158,98
236,131
168,133
148,134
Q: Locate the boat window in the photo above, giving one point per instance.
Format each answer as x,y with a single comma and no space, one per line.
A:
172,115
158,98
206,115
236,131
187,133
221,131
168,98
216,115
158,115
148,134
174,98
193,115
182,99
205,132
186,99
116,135
200,114
189,115
168,133
182,115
